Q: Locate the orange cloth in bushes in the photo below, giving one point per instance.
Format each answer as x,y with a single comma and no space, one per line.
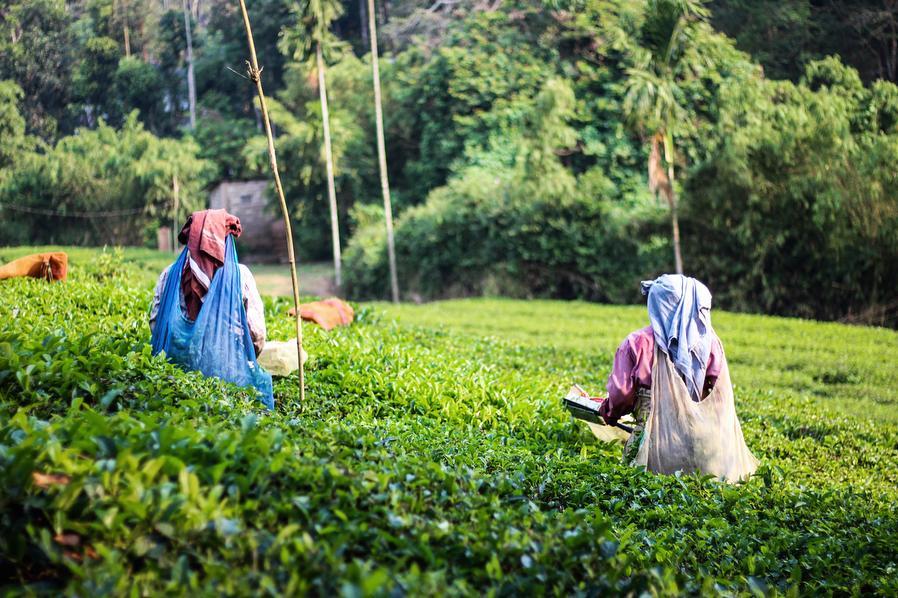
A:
328,314
50,266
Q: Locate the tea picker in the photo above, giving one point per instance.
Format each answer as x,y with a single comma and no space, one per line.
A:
207,314
672,379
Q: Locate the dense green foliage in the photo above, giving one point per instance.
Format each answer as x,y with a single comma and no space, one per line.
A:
432,457
799,187
783,35
518,138
100,186
779,180
516,222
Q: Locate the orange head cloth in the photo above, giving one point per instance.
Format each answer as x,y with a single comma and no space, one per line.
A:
204,233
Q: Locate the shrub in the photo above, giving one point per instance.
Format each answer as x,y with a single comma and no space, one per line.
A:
122,177
482,234
515,222
797,211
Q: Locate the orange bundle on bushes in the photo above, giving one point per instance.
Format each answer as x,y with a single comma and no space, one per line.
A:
328,314
49,266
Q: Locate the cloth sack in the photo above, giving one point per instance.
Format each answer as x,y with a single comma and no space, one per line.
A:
684,435
279,357
328,314
218,342
49,266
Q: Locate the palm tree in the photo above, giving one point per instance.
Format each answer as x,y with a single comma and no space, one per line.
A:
666,58
315,18
382,153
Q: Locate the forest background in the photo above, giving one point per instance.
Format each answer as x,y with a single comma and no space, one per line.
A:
535,149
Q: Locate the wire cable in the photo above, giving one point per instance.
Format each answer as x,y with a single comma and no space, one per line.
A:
46,212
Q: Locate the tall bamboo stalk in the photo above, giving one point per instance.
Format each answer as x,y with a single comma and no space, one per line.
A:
255,74
329,160
382,152
126,33
176,199
191,81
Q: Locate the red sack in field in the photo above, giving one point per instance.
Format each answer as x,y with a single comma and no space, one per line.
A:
328,314
49,266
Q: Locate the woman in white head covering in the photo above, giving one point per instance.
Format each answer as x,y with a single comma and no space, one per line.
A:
691,371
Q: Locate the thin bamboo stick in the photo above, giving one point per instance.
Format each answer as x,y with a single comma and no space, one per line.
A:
329,163
255,74
191,80
176,198
382,153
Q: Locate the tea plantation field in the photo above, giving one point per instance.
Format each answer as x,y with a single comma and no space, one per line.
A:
432,457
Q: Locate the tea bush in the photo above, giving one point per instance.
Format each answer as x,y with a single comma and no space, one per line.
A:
431,457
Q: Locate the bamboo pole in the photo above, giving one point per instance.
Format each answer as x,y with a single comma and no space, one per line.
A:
382,153
329,160
176,198
191,80
255,74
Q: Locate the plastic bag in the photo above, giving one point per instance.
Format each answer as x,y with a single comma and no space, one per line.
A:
684,435
218,343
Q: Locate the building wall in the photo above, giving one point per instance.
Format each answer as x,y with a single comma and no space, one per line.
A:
263,237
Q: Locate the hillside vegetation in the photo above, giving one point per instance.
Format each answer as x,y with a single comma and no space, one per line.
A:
535,148
432,457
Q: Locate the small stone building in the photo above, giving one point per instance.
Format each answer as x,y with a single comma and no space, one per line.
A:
263,238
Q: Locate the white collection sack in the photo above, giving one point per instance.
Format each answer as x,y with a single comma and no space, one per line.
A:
279,357
683,435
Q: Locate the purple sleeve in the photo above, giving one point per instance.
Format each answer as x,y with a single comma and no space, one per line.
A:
621,385
715,360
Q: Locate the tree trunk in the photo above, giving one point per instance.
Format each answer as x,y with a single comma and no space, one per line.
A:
176,199
126,34
191,82
255,75
329,160
672,199
674,222
382,152
363,24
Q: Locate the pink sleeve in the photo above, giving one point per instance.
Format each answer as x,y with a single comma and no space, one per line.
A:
621,385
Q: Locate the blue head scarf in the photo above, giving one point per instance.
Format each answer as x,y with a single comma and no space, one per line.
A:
680,312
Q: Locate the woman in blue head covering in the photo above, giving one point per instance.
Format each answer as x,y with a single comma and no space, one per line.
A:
680,314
